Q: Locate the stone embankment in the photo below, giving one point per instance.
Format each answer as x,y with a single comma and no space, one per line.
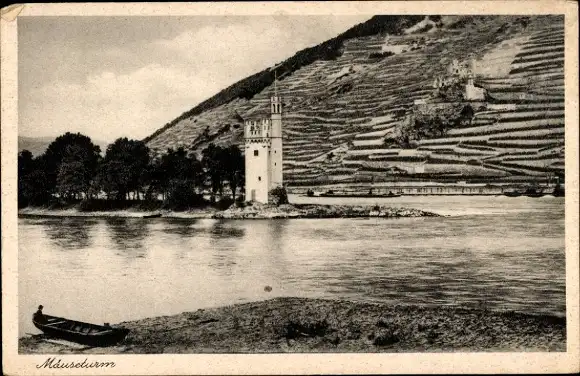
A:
317,325
259,211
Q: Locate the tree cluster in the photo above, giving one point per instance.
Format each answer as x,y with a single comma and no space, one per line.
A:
432,122
72,169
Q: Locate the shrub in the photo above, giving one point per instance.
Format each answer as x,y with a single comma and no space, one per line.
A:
240,201
182,197
278,196
310,193
224,203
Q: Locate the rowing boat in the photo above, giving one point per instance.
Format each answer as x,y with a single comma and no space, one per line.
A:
79,332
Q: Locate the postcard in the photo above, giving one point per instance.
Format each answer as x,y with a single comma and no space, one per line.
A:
290,188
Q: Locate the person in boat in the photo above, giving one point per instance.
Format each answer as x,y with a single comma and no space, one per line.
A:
39,316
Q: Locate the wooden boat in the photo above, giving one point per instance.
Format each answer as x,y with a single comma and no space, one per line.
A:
80,332
156,215
512,194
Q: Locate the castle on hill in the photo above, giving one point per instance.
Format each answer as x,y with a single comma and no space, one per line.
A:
457,71
263,153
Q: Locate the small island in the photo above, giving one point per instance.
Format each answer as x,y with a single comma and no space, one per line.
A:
253,211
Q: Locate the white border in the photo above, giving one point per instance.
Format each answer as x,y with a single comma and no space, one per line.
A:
292,363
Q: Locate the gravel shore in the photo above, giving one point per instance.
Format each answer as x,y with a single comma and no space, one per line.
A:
285,325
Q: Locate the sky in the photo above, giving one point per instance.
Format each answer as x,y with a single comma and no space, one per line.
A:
110,77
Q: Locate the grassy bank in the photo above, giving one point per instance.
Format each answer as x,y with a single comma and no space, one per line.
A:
316,325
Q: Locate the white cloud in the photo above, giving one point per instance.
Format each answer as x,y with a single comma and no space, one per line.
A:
231,52
108,105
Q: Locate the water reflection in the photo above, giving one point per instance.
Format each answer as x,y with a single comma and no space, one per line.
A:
127,233
182,227
276,255
224,238
277,232
226,229
69,233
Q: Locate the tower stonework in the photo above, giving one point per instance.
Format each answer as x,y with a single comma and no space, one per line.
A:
263,153
276,178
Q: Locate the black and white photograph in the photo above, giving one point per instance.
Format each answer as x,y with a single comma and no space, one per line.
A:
232,183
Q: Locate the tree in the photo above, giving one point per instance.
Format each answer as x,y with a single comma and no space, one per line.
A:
154,179
182,175
76,171
233,163
25,167
429,122
59,148
278,196
212,162
32,180
125,168
114,177
466,116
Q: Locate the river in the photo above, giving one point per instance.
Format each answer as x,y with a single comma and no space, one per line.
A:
492,252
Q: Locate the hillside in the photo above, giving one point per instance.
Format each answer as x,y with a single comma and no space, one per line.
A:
365,106
38,145
35,145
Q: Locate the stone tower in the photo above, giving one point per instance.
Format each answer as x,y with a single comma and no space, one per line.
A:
276,179
263,152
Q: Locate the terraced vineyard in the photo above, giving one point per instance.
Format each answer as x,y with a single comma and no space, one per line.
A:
342,116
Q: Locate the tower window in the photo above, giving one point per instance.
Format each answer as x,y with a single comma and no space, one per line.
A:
259,178
255,153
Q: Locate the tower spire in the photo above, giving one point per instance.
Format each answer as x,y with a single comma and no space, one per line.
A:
275,83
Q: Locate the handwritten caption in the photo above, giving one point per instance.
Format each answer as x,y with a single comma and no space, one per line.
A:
52,362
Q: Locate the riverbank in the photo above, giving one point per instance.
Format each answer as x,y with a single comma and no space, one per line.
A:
254,211
129,213
318,325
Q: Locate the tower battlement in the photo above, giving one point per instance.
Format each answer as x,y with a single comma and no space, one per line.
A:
257,129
